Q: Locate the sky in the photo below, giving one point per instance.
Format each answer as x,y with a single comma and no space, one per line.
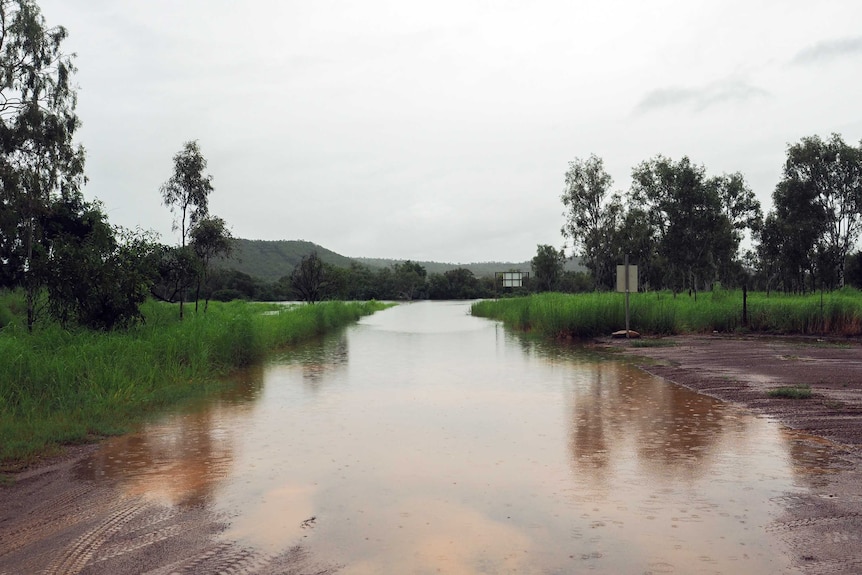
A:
442,130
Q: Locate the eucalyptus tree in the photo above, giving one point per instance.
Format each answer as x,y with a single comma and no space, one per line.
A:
697,221
821,188
210,238
186,193
591,215
39,163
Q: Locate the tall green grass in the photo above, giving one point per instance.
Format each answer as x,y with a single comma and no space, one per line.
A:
660,313
59,387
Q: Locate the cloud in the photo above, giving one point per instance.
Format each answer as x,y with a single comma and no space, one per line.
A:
829,50
699,98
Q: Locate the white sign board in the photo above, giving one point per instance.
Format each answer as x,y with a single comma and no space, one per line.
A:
513,279
633,279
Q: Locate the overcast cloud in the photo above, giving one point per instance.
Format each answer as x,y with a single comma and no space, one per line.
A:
442,130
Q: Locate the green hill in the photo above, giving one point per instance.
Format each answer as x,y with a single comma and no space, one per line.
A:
479,269
271,260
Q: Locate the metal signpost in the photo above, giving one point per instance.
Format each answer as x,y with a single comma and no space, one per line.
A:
627,280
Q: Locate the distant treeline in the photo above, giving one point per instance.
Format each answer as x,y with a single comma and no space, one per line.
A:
405,280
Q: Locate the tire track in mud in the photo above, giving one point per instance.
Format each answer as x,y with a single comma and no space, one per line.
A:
223,558
74,559
807,522
54,514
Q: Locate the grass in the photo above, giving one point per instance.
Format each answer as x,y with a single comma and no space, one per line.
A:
791,392
660,313
64,387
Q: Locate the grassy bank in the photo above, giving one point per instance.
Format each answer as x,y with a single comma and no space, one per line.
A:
60,387
659,313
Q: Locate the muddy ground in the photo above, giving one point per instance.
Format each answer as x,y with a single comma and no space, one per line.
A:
55,519
822,529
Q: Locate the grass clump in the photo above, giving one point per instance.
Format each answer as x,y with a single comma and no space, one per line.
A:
791,392
63,387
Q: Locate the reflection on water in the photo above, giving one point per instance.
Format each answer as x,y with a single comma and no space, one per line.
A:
426,440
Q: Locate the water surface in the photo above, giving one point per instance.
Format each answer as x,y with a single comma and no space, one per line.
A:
424,440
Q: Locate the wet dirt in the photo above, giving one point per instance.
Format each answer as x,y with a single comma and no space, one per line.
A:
54,522
823,527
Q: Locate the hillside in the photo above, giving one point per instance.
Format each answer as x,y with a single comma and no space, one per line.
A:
272,260
478,269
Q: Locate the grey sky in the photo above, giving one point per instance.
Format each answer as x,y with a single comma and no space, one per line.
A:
443,130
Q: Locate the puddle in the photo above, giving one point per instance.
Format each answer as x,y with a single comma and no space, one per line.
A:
423,440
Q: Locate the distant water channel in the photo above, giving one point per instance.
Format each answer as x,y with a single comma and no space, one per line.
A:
424,440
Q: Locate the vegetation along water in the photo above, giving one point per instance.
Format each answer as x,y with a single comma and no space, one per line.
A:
62,386
837,313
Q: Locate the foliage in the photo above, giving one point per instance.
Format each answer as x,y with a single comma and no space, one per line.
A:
816,219
459,283
210,239
176,270
310,279
660,313
100,275
548,267
39,164
60,386
409,279
590,218
697,222
682,228
187,191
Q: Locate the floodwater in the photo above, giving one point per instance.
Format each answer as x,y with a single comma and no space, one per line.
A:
424,440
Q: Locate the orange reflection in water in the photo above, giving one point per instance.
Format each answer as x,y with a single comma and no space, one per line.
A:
180,459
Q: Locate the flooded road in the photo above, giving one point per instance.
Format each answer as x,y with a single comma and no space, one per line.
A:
423,440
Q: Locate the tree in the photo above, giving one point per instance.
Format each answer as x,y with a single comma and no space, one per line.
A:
39,161
636,238
409,279
696,222
459,283
100,275
308,278
548,267
210,239
589,221
821,187
186,193
176,270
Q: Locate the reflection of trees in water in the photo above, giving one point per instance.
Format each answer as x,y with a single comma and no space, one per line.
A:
319,358
183,457
619,412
